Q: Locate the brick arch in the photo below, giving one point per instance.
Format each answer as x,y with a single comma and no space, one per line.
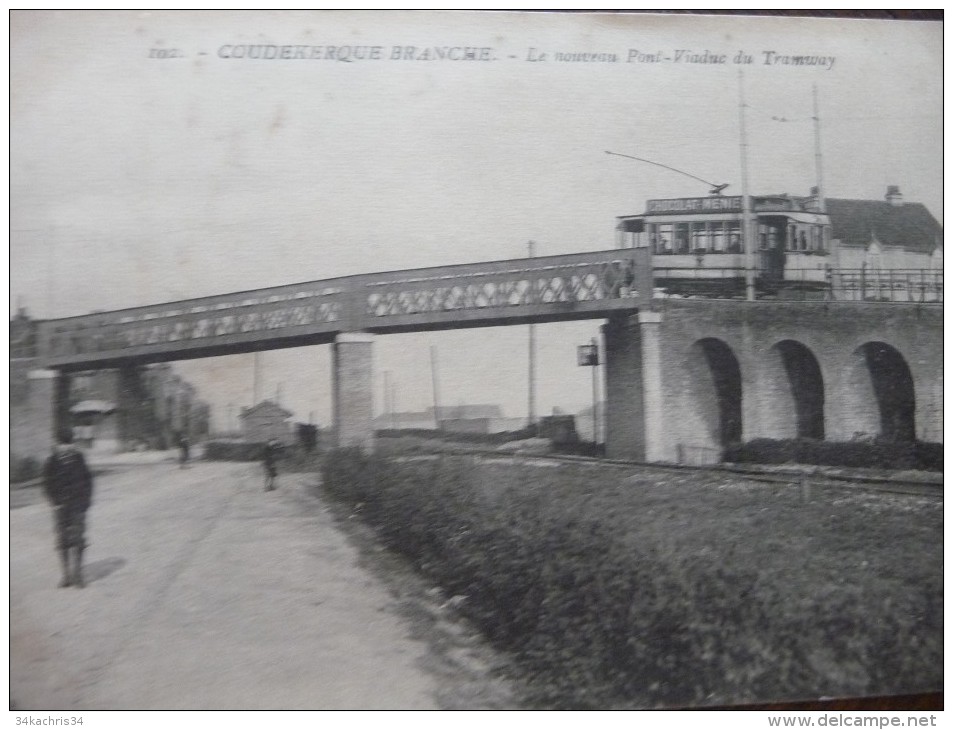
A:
794,391
880,398
714,390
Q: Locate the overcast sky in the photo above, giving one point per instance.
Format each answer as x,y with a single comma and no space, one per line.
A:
137,180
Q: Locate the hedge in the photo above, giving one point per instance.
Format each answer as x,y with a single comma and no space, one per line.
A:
877,454
234,450
598,618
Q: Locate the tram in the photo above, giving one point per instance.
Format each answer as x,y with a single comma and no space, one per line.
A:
698,246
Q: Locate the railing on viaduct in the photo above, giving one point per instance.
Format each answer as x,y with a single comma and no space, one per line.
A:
550,288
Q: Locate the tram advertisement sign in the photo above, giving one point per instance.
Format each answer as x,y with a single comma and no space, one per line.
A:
715,203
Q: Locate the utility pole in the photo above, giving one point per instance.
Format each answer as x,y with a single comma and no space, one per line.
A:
746,227
436,386
532,359
595,392
256,386
817,155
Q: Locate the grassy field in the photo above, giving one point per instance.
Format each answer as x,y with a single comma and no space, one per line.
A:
618,588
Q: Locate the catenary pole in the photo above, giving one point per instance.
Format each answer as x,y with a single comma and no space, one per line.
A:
817,155
746,227
531,406
436,386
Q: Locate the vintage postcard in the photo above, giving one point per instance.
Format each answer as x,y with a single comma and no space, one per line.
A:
474,360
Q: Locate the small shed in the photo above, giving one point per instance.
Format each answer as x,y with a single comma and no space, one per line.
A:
265,421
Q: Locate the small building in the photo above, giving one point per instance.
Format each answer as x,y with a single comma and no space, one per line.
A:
468,418
264,421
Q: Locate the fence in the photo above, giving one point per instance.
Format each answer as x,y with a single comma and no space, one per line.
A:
887,285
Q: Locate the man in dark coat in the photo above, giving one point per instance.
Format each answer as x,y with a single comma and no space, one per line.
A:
271,454
69,487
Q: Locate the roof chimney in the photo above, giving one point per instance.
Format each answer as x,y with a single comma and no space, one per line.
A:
894,197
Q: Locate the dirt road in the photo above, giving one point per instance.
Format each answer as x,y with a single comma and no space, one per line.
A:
205,592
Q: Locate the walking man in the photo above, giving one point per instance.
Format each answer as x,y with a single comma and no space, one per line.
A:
272,449
183,440
68,484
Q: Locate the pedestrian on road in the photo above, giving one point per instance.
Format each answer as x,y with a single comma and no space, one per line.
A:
183,450
272,451
68,484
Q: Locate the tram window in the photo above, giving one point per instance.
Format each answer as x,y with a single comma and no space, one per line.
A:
664,238
681,238
699,236
718,236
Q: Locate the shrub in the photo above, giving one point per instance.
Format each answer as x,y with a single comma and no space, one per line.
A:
493,439
234,450
876,454
929,455
598,616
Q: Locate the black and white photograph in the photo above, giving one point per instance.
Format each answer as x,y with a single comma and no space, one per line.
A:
475,360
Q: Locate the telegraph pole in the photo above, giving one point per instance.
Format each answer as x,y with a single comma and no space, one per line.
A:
817,155
595,392
436,386
746,227
532,359
256,387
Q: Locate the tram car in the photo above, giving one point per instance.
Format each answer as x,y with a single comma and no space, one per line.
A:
802,247
697,245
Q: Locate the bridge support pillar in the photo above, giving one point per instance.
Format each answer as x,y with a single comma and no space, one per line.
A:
624,419
653,408
46,414
353,389
635,417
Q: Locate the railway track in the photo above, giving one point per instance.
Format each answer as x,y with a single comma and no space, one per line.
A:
806,477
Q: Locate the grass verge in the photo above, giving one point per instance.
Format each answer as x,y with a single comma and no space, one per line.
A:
648,588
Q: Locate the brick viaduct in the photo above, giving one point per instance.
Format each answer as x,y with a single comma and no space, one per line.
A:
684,377
697,374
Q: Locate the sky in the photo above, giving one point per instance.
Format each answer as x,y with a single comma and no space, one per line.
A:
137,179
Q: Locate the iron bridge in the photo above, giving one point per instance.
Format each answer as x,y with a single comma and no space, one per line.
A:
518,291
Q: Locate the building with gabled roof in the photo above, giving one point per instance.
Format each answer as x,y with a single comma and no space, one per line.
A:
884,234
264,421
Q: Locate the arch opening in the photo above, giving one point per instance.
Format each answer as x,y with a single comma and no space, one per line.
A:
803,389
883,393
716,390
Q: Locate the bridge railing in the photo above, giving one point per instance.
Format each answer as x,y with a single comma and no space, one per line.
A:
295,306
346,303
572,278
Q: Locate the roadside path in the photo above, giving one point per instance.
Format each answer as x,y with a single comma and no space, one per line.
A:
205,592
